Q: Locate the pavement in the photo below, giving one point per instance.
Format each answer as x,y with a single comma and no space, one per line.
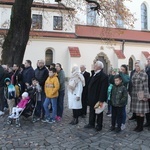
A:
63,136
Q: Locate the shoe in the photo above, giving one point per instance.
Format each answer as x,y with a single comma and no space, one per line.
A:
98,128
1,113
51,121
132,118
45,120
123,126
109,115
136,128
118,130
141,121
58,118
88,126
112,128
146,124
11,116
75,121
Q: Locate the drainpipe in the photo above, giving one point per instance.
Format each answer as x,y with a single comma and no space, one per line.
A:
123,42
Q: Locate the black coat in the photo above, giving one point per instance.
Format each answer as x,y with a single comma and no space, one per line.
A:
148,73
28,75
2,76
85,88
41,75
130,83
97,89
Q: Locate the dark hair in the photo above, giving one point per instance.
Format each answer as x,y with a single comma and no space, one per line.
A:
125,67
22,66
59,65
117,77
53,65
53,70
33,79
29,62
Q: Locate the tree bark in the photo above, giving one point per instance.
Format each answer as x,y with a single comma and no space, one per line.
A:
18,34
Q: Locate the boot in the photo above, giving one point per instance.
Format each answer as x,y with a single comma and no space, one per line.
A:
147,124
138,124
75,121
141,121
133,117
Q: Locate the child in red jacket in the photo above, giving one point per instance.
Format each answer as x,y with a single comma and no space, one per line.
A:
21,105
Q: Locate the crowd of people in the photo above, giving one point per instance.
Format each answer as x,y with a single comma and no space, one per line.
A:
47,85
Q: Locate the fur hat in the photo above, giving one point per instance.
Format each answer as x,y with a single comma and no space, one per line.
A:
25,94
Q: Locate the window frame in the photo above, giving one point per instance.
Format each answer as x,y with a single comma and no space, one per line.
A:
92,16
38,21
144,17
61,23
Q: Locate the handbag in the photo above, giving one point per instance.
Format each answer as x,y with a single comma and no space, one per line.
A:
140,95
98,108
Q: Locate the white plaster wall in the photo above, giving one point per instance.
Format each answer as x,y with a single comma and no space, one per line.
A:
135,8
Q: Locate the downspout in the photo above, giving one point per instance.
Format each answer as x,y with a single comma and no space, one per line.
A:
123,43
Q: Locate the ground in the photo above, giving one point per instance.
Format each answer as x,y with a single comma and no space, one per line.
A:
63,136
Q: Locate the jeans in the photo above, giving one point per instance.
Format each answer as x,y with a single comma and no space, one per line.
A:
124,115
42,102
60,103
53,102
38,109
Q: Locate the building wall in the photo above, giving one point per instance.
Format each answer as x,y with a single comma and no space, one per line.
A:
89,49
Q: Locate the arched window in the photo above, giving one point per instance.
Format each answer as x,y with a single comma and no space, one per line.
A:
143,16
130,64
48,57
91,15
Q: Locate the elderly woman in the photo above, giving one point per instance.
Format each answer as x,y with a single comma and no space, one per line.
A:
140,95
75,87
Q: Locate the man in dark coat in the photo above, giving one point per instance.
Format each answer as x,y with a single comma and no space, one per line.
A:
41,74
85,90
28,73
147,124
2,77
97,92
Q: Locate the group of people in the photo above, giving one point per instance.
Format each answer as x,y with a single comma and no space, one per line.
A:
114,89
45,85
83,90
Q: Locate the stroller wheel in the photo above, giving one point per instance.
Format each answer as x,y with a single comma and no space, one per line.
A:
9,121
18,125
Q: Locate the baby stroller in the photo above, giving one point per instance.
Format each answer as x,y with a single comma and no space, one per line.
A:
27,112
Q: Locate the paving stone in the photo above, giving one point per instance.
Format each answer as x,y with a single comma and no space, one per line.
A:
63,136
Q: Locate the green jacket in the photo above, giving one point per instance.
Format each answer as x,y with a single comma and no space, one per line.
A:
119,96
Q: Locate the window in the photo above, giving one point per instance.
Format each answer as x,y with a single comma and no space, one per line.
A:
91,15
143,16
120,23
130,64
36,21
48,57
57,23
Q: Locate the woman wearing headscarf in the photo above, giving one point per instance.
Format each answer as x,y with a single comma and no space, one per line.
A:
140,95
75,88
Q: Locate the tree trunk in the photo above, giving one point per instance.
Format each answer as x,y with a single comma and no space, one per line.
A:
18,34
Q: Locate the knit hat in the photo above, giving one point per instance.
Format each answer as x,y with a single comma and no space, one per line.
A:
25,94
7,80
